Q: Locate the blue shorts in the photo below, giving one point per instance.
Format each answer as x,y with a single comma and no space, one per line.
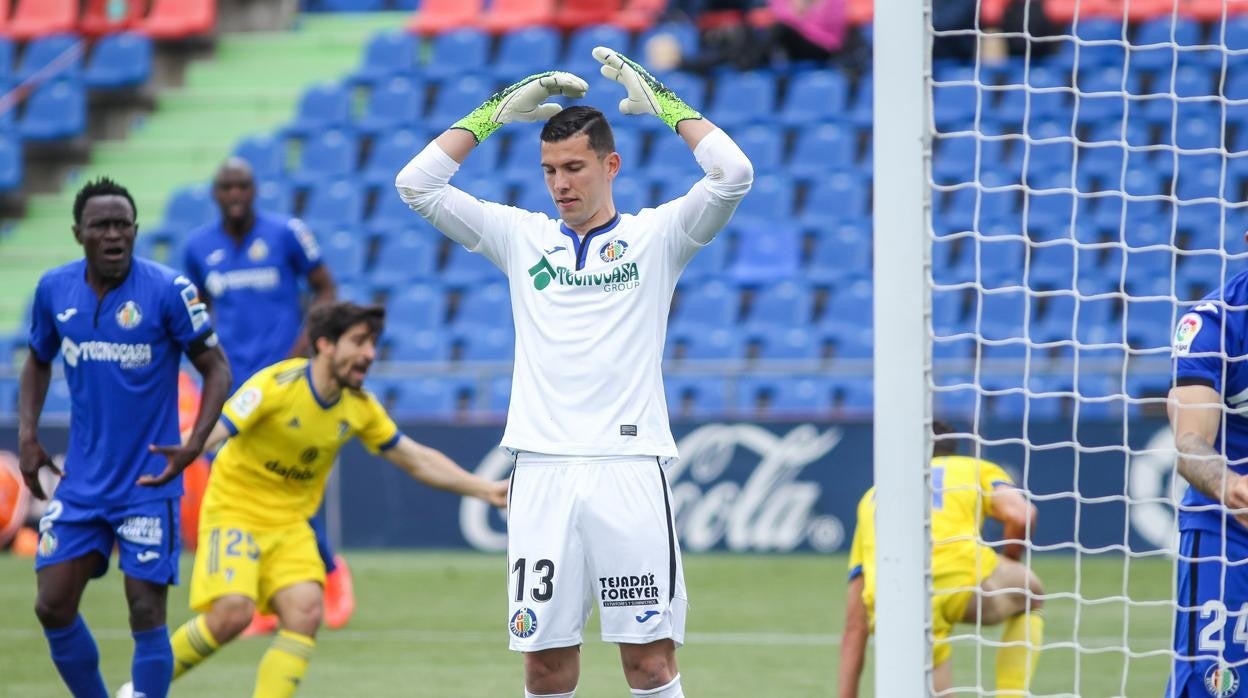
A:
146,535
1211,619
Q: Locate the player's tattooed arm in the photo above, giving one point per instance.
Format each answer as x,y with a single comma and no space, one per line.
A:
1196,417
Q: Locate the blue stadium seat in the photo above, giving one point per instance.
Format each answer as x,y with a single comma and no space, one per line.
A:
488,344
814,96
56,111
275,196
334,203
326,156
1209,270
190,207
8,399
955,158
417,307
119,60
631,194
752,97
1149,323
1051,266
459,52
1001,314
351,5
345,255
862,110
1236,29
485,188
535,197
1103,52
579,59
954,104
763,145
1200,176
849,310
390,152
839,196
690,87
498,398
822,148
394,103
484,307
711,304
841,252
484,160
433,397
706,344
464,268
10,163
765,254
804,395
63,50
526,51
457,97
321,108
780,305
419,345
390,212
710,261
8,55
58,401
695,396
387,53
409,254
266,154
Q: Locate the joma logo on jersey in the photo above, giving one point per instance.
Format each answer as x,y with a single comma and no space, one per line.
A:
126,355
621,278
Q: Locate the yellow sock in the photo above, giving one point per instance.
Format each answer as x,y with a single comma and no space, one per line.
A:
283,666
1016,663
192,644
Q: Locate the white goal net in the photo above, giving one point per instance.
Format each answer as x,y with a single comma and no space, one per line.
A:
1086,169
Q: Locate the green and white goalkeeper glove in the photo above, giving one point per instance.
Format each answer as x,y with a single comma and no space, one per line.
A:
646,95
522,101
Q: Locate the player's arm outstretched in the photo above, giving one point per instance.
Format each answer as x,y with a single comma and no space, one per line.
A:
853,639
1195,416
729,174
435,469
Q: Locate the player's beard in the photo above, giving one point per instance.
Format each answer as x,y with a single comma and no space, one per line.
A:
347,376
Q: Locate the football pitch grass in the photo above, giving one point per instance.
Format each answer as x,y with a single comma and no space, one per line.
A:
434,624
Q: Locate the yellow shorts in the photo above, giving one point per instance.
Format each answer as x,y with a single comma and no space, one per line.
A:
252,561
952,591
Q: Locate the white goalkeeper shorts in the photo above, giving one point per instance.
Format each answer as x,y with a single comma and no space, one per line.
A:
592,531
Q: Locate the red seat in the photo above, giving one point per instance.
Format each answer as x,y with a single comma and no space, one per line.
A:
859,12
440,16
1211,10
180,19
96,20
1062,12
574,14
35,18
639,15
507,15
4,17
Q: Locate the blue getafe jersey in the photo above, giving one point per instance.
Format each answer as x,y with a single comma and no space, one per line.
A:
121,356
1211,346
254,287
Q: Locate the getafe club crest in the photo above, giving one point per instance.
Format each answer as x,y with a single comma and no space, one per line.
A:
129,315
523,623
613,251
1221,681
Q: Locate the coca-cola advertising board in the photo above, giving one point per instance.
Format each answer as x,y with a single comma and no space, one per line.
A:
782,486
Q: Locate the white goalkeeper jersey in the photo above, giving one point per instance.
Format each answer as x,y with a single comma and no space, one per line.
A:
590,313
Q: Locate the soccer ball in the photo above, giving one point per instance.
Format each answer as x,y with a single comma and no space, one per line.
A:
126,691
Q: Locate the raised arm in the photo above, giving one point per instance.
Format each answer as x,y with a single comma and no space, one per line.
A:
424,183
433,468
853,639
1195,416
709,205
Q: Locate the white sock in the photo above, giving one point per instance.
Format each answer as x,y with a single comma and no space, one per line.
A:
569,694
670,689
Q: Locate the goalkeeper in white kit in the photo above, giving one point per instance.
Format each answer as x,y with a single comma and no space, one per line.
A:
590,509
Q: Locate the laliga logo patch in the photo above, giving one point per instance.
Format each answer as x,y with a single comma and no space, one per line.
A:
129,316
523,623
1188,328
1221,681
613,251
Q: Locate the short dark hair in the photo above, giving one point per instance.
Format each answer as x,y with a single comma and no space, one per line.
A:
332,320
101,187
942,443
577,120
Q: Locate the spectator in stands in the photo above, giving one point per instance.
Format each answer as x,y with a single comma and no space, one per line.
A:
807,30
251,266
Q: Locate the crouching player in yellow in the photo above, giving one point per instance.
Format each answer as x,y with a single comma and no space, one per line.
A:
285,426
970,583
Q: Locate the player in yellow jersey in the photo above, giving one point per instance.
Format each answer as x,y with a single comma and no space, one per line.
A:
970,582
285,426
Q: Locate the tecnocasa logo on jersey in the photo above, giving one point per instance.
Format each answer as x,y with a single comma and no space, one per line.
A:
621,278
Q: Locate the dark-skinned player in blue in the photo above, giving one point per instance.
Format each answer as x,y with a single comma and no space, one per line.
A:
121,325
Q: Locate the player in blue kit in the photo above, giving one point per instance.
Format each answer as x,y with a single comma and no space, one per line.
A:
1211,435
121,325
252,267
